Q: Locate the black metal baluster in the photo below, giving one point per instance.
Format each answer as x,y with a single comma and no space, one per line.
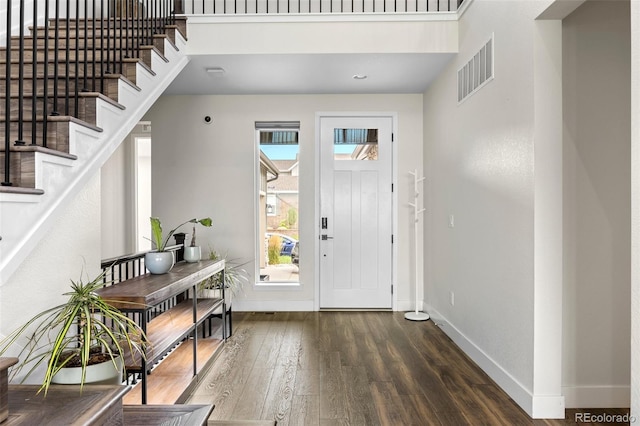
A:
7,100
34,77
85,62
77,61
119,49
93,46
147,25
139,33
126,33
45,83
20,140
67,68
102,50
108,69
56,57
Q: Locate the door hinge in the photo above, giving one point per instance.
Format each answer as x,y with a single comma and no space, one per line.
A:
393,137
392,290
391,187
391,238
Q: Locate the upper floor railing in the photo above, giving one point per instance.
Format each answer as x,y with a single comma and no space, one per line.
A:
294,7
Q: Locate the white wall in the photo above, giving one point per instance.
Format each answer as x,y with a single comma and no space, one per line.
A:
479,163
635,211
117,202
71,250
208,170
118,197
597,209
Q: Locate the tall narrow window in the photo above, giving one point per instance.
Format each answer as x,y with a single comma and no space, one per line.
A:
279,168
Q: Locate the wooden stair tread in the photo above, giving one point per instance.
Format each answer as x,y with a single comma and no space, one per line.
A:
55,119
37,148
178,414
97,95
20,190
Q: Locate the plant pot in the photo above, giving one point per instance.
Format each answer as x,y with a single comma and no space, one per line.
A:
159,262
192,254
97,374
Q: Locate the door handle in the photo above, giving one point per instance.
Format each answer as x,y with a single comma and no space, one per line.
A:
325,237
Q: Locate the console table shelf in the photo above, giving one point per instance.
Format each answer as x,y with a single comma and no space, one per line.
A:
169,311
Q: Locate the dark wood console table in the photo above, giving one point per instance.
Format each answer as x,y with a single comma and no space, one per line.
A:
169,310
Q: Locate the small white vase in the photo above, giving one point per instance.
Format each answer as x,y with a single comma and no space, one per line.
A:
192,254
159,262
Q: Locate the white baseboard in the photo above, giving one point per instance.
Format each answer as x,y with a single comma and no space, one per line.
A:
538,407
597,396
273,305
405,305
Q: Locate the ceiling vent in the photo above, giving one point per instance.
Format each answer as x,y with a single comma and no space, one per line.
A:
477,72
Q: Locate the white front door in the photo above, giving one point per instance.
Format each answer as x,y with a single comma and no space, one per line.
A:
356,212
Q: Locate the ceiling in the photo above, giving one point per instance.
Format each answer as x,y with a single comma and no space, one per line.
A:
309,74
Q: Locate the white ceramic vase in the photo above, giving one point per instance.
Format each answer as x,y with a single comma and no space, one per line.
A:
159,262
104,373
192,254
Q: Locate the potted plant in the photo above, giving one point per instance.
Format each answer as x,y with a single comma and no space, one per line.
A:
80,341
235,276
161,260
192,253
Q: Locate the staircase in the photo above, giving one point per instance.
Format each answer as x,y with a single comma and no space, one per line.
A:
70,91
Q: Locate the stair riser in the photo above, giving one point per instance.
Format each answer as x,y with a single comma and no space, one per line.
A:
135,27
62,55
62,88
57,134
21,169
86,109
62,70
62,44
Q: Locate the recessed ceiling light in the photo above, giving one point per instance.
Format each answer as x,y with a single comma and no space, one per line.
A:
359,77
215,70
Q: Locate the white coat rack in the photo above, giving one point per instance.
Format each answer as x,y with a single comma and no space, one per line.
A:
417,211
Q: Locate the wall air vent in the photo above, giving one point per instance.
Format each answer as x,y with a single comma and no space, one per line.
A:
477,72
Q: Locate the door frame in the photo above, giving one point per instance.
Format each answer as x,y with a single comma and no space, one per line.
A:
394,196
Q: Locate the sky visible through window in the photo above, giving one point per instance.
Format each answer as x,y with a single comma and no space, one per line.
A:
289,152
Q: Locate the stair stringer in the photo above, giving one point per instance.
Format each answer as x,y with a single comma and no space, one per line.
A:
26,218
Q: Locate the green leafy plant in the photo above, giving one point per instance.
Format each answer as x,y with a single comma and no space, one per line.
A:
84,330
274,246
160,242
235,276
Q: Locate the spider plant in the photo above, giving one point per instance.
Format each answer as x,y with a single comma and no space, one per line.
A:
83,331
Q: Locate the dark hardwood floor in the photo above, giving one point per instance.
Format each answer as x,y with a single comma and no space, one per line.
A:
354,368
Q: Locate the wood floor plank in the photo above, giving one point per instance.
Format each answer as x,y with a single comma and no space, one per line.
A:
419,411
360,407
251,401
307,382
332,402
388,404
337,368
279,397
305,411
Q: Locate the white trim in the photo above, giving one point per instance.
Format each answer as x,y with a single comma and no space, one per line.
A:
536,406
273,305
597,396
322,17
